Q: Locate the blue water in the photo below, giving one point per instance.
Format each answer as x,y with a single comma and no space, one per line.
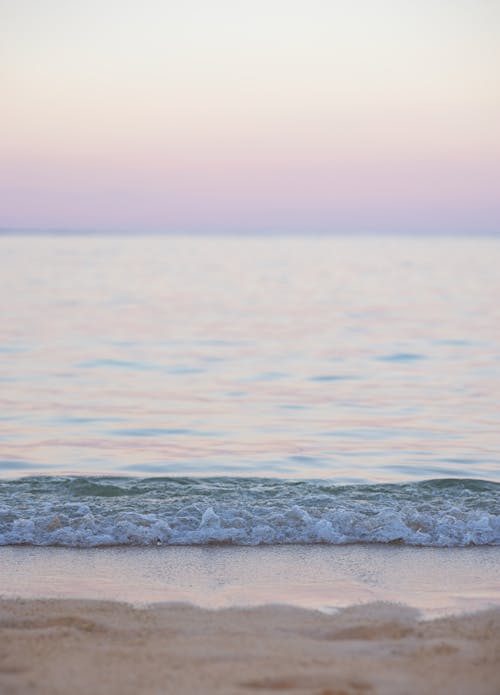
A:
90,511
190,390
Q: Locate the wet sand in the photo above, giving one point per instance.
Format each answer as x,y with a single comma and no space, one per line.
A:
437,581
60,646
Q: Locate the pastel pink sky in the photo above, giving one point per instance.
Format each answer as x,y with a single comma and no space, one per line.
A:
232,115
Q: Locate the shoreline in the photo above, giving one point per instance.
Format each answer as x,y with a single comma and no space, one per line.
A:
55,646
435,581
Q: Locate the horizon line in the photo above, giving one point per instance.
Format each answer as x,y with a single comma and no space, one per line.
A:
110,231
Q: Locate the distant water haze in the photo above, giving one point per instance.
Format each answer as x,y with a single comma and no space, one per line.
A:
373,115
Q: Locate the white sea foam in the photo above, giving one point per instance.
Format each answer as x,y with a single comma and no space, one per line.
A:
87,512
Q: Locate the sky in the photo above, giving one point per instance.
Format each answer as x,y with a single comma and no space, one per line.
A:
250,116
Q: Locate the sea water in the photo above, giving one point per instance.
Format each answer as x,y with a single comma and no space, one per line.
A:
169,390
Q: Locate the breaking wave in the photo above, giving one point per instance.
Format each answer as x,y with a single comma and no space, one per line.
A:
103,511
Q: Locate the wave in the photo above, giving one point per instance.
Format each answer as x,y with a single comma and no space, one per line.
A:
77,511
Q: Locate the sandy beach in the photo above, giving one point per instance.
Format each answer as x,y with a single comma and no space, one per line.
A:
207,620
61,646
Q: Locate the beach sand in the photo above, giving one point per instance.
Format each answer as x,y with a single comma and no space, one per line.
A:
170,620
69,646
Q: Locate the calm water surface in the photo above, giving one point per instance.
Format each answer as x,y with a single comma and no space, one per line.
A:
352,360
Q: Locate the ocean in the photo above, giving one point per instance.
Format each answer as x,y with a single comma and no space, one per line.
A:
171,390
